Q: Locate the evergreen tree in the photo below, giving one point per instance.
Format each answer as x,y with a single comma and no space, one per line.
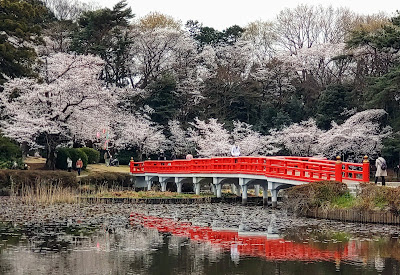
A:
104,32
21,26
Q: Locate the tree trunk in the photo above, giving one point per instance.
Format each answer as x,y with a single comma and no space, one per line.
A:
51,158
51,152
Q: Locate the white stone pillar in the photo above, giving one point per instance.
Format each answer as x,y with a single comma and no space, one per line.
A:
233,190
274,199
237,190
196,186
179,187
244,194
256,190
265,195
219,190
213,189
163,186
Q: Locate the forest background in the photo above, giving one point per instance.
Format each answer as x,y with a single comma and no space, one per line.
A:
316,81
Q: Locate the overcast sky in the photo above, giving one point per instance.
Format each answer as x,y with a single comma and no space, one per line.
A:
221,14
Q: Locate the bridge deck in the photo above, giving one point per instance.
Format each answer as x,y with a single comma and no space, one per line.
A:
299,169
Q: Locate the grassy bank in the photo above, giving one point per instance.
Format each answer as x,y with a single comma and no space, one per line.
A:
331,195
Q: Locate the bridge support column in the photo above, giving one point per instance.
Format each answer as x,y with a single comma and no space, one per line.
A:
217,187
274,194
265,195
178,186
213,189
148,180
196,186
244,194
256,190
163,186
237,190
233,190
219,190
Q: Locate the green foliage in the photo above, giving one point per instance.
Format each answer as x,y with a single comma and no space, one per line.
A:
391,150
20,21
9,152
344,201
385,92
211,36
316,194
331,104
124,156
92,154
163,99
74,154
104,32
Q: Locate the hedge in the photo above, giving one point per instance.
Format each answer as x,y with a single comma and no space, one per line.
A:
9,152
74,154
93,155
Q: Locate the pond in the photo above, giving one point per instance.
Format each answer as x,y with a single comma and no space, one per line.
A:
187,239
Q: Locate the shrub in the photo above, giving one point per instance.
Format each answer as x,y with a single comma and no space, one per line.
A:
373,196
124,156
303,197
74,154
9,152
61,161
92,154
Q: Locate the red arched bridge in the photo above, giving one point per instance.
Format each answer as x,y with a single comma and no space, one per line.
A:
269,173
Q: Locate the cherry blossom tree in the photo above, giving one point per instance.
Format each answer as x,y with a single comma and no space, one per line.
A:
66,105
320,63
251,142
138,132
179,141
300,139
359,135
211,139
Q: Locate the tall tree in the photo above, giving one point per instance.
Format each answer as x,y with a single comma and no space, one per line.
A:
105,33
54,111
21,26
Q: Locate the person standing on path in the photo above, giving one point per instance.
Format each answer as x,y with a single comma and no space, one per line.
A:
381,169
69,164
79,165
106,158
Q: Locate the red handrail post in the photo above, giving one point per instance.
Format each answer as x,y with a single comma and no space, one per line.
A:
365,175
131,165
338,169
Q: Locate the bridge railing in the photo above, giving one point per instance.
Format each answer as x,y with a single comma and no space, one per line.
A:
297,168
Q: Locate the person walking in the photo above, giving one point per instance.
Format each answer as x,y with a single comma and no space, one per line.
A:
381,169
69,164
79,165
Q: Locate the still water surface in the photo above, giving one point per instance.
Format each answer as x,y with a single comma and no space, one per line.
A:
150,242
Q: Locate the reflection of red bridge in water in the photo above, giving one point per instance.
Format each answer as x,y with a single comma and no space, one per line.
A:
247,245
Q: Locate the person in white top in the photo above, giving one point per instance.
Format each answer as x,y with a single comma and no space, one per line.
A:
381,169
189,156
235,151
